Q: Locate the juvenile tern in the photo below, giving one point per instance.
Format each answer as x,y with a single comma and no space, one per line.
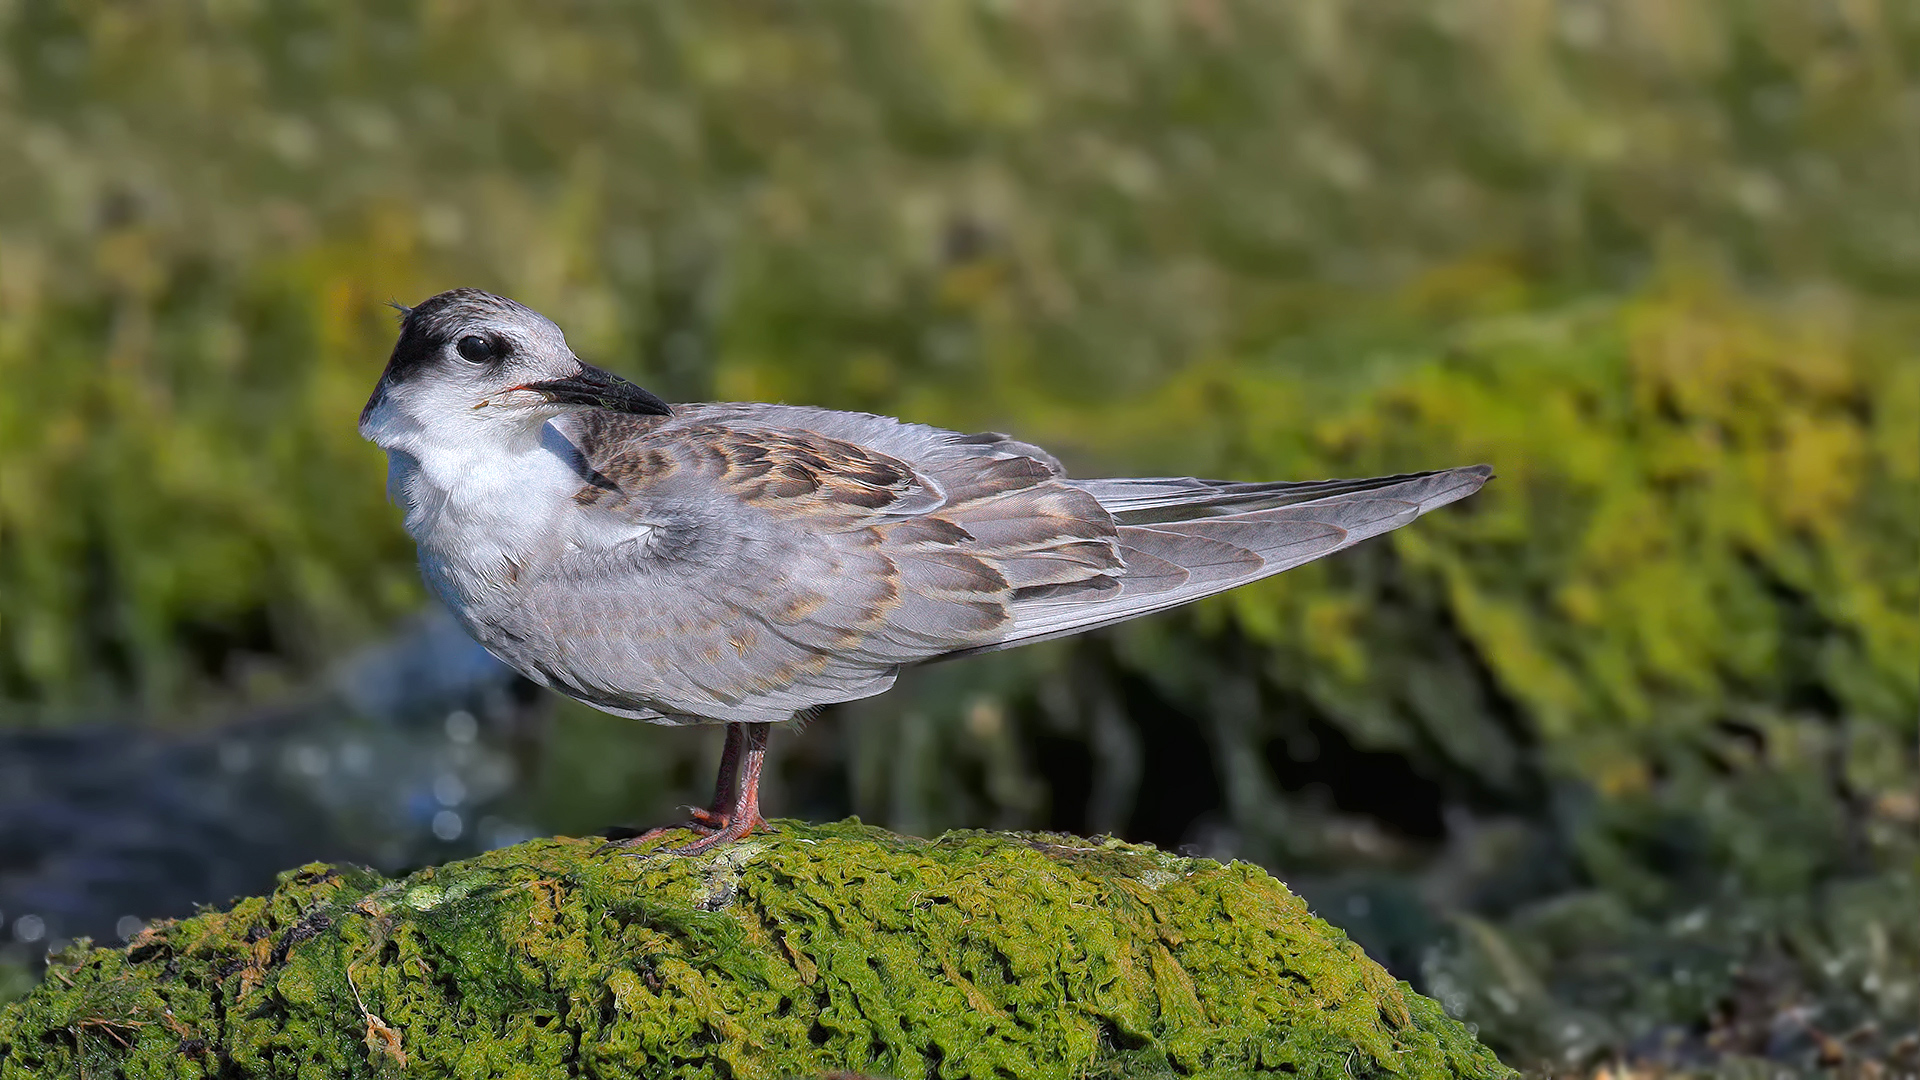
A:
741,563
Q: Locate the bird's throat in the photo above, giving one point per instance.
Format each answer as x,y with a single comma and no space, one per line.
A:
483,510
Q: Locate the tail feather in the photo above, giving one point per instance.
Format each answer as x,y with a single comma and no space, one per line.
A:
1151,500
1183,539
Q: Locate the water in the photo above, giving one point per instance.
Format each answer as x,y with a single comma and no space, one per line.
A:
404,757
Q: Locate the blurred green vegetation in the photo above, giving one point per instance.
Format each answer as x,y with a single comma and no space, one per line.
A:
1029,216
1656,262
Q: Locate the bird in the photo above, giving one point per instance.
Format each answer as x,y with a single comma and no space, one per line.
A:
744,563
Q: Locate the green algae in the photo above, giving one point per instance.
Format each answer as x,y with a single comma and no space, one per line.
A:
819,948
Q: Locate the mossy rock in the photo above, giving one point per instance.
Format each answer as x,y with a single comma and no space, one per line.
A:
815,949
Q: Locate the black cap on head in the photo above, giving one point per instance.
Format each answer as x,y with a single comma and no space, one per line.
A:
430,325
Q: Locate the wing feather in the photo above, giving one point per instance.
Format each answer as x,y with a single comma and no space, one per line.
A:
1222,546
793,557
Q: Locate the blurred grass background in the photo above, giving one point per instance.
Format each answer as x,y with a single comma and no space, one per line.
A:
1617,759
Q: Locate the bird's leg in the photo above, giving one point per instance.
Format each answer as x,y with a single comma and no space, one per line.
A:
736,797
744,817
717,815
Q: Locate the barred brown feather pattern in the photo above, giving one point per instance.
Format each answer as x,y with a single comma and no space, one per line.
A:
775,563
744,562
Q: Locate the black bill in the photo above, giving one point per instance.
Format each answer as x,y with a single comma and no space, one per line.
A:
592,386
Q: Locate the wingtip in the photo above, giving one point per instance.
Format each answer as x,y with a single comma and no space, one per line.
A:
1456,484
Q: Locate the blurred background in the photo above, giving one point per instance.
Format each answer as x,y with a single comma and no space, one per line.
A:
1617,759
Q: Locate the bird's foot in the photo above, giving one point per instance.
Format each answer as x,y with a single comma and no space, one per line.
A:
737,827
735,813
716,828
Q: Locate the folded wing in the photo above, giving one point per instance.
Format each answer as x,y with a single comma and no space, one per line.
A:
758,560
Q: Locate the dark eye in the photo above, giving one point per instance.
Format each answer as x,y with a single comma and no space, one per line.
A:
475,348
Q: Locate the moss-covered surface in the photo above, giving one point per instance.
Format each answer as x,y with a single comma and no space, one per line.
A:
819,948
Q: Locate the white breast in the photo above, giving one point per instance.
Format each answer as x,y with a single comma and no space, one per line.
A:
485,507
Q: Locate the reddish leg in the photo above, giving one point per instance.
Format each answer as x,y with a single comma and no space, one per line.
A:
744,818
716,815
736,796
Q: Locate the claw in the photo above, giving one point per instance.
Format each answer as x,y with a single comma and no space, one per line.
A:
735,813
735,830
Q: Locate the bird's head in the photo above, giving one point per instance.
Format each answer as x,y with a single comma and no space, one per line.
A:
474,360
